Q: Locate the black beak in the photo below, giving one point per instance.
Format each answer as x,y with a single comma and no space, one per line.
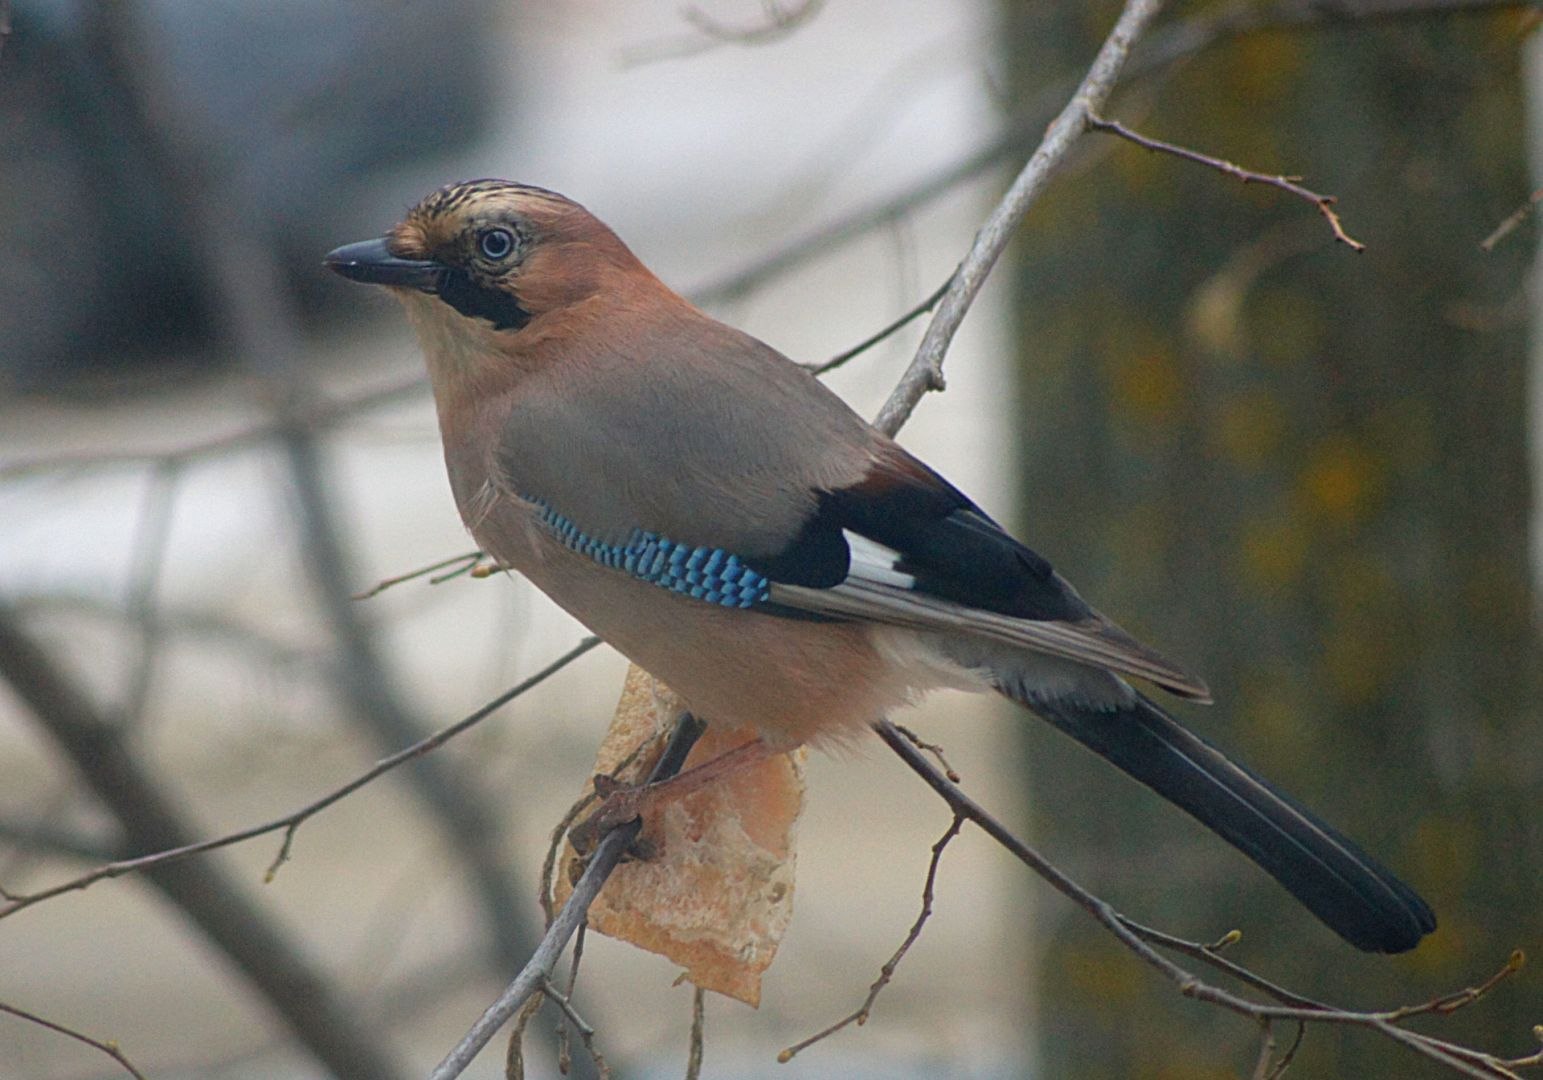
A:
370,263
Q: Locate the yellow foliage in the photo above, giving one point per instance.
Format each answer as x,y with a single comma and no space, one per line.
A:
1494,587
1263,68
1286,327
1249,429
1341,480
1364,586
1193,1065
1272,717
1358,662
1273,552
1104,975
1443,850
1146,384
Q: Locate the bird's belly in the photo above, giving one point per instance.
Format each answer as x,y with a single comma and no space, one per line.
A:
794,681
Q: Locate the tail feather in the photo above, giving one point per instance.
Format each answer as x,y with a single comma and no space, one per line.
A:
1331,876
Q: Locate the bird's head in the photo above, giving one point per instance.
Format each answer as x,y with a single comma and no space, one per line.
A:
483,266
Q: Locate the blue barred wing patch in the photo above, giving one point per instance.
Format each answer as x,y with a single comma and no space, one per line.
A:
702,573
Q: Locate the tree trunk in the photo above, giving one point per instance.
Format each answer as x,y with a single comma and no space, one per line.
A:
1303,472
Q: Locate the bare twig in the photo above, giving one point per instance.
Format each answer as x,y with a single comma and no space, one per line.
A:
109,1048
290,823
887,972
1512,221
698,1029
147,559
1290,1055
463,564
585,1030
1262,1070
779,22
318,416
261,950
1323,203
869,342
1460,1059
1447,1004
1162,50
926,370
205,628
932,748
602,862
237,261
564,1051
514,1053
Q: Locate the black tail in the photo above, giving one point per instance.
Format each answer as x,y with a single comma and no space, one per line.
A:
1330,875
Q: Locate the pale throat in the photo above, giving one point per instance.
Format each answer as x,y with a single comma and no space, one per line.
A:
467,359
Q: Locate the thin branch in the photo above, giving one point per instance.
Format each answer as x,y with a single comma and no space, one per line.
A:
147,559
204,891
926,370
318,416
1512,221
1288,184
575,958
290,823
932,748
779,23
1165,48
1447,1004
607,855
887,972
514,1053
711,33
1290,1055
464,564
585,1030
109,1048
1459,1059
1262,1069
1161,51
44,835
203,628
869,342
698,1029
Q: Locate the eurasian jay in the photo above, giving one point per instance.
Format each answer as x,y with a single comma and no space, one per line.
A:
724,520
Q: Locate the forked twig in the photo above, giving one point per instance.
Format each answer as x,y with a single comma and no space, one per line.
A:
887,972
1512,221
290,823
1459,1059
464,564
108,1047
604,859
1323,203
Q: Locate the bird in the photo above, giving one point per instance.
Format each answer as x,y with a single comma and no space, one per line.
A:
723,519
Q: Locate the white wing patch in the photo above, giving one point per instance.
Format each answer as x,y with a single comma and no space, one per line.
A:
872,561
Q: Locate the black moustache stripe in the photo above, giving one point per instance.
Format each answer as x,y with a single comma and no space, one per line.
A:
500,308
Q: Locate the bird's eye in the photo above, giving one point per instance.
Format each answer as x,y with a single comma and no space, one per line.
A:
495,244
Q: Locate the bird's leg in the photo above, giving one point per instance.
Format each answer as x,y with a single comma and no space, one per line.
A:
623,802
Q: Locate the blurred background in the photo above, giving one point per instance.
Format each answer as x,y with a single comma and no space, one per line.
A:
1308,473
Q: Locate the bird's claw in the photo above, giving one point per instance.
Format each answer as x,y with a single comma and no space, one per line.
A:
620,803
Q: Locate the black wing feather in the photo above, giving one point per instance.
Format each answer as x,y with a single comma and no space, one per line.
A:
953,549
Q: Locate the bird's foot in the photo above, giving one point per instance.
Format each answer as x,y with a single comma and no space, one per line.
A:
622,802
